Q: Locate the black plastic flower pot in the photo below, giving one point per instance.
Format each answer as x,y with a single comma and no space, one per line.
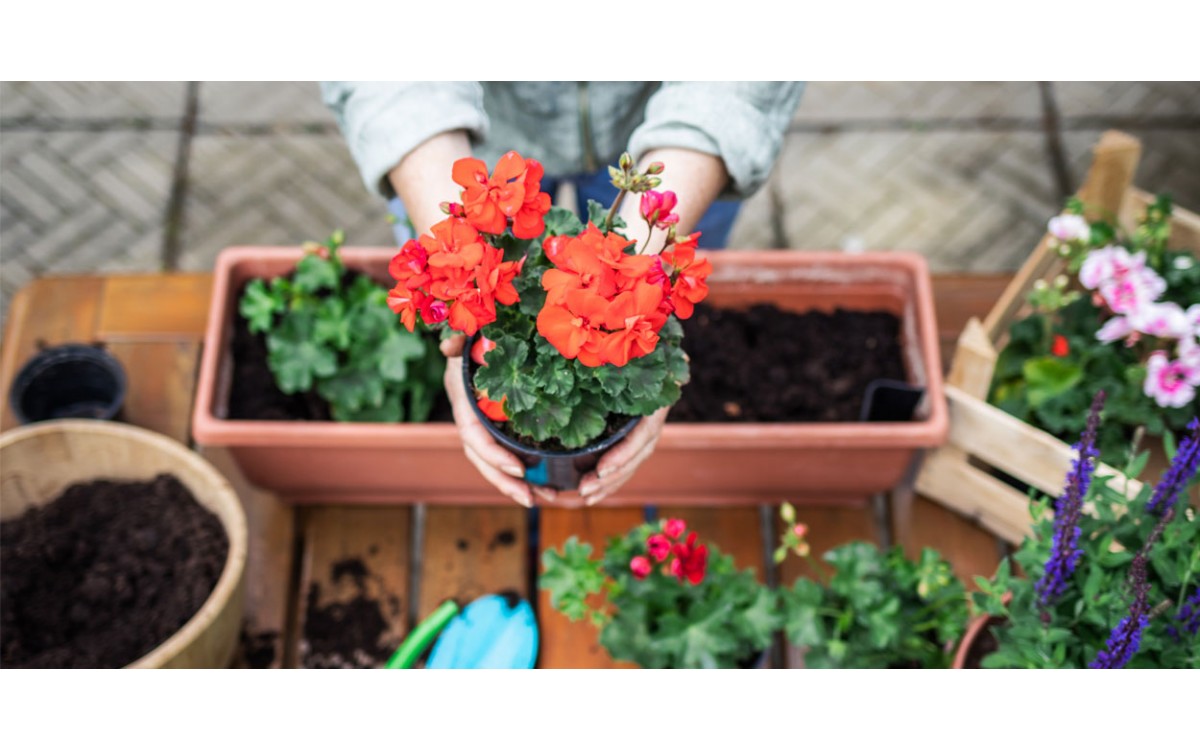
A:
560,470
72,381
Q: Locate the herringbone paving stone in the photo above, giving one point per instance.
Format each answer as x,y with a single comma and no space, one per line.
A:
826,101
275,190
235,103
1129,98
82,100
967,201
87,204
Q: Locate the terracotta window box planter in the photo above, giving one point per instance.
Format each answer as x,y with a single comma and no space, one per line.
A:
693,463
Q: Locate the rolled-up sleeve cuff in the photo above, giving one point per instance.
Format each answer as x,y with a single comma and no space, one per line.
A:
742,123
383,123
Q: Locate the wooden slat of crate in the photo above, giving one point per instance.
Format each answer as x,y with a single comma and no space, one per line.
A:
338,538
47,312
158,306
469,552
271,527
574,645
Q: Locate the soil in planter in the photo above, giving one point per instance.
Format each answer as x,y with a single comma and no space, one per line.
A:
254,395
765,364
985,643
346,634
105,573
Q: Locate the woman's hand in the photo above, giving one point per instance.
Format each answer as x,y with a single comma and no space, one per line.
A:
504,470
618,465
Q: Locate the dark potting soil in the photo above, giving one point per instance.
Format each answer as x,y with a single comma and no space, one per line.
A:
346,634
984,644
765,364
254,395
105,573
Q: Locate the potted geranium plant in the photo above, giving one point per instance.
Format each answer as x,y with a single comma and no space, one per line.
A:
1112,582
872,609
662,599
573,329
1124,320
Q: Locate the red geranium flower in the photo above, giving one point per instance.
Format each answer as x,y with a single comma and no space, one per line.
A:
482,346
659,547
488,203
493,409
689,286
674,527
640,567
691,560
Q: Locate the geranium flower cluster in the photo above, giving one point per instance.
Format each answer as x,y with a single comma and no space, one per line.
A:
605,306
455,273
1127,288
686,560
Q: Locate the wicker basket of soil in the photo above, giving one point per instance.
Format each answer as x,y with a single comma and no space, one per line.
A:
120,548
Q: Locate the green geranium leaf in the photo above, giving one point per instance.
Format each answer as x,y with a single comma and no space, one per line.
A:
259,306
297,362
509,376
398,349
352,389
562,221
570,577
314,273
1049,377
588,420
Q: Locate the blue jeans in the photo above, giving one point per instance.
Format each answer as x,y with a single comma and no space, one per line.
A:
715,225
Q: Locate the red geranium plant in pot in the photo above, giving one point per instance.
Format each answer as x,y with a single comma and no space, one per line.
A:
573,330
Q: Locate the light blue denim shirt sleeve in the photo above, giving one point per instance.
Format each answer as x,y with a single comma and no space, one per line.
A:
568,125
742,122
383,121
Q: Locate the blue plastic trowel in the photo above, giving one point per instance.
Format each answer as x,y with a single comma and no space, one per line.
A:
493,632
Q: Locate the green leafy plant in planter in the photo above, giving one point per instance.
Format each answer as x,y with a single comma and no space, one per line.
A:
662,600
330,329
875,609
1123,319
1112,582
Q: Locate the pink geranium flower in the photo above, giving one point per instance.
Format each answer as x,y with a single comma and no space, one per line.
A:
1123,280
640,567
674,527
656,208
1115,329
1171,384
1070,227
1162,319
658,546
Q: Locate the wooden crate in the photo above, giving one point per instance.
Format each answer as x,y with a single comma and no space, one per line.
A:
990,436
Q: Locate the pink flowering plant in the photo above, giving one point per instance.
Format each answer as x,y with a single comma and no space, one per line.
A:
662,599
1125,318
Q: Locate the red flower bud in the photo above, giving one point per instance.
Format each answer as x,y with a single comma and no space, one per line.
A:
1060,347
640,567
674,527
482,346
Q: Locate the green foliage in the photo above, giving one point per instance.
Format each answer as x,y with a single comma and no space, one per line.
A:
334,334
1072,632
724,621
551,399
1053,393
876,610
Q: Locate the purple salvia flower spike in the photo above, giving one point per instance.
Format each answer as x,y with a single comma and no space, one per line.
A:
1188,617
1126,637
1181,471
1064,550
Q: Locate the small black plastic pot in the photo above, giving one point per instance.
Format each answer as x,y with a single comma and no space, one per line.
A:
560,470
72,381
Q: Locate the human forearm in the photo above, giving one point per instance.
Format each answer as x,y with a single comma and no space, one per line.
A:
695,177
422,179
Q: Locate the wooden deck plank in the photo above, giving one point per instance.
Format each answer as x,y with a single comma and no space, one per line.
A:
352,602
470,552
970,550
172,306
47,312
734,531
161,378
271,530
566,644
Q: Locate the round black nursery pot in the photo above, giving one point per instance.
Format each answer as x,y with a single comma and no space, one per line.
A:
560,470
72,381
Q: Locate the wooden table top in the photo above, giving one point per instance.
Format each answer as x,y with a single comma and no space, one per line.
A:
415,556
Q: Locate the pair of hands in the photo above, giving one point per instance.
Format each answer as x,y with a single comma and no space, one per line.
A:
506,472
